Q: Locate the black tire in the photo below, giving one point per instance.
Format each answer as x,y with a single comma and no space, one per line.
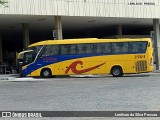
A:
116,71
46,73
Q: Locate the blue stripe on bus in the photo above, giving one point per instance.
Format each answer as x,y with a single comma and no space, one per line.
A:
51,60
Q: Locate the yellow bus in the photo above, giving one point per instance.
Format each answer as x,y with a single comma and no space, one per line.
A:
88,56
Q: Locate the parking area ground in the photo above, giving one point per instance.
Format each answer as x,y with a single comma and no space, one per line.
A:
102,93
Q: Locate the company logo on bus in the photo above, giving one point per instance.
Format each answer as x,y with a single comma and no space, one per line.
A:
49,59
73,68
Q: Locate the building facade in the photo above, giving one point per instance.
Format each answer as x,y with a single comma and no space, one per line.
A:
27,21
96,8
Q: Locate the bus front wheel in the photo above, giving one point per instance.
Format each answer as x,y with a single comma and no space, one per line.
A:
46,73
116,71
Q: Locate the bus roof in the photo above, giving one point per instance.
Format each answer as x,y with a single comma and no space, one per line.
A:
87,40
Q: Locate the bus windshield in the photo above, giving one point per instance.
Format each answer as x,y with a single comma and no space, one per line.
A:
28,57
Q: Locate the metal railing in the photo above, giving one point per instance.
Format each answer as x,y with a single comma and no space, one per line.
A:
4,69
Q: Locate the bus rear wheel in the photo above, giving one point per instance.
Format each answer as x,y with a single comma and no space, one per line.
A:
117,71
46,73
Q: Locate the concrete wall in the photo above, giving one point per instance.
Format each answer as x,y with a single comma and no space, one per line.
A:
98,8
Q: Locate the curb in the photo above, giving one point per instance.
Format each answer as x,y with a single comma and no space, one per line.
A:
13,76
8,76
156,71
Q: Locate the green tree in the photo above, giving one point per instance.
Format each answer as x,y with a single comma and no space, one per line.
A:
4,3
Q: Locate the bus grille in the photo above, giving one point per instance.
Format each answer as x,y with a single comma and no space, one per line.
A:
141,66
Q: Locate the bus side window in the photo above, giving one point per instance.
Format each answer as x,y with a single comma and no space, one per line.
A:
49,50
54,50
68,49
46,51
130,48
102,48
97,48
140,48
65,49
118,47
108,48
125,48
85,48
79,49
113,48
89,48
73,49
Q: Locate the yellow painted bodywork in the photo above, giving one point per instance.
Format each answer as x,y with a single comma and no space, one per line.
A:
126,61
86,40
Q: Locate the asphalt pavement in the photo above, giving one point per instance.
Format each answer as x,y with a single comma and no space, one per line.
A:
137,92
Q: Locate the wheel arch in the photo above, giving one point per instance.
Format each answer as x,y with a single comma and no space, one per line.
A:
117,66
46,68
